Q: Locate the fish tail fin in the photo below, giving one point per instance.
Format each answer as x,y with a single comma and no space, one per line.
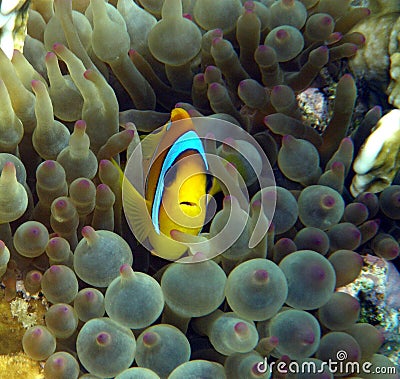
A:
215,187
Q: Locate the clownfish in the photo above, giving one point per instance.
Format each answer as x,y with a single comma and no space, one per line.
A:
177,187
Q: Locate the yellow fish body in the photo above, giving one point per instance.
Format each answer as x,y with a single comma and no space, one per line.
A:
176,187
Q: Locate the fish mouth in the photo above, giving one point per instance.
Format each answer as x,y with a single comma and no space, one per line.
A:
190,208
188,203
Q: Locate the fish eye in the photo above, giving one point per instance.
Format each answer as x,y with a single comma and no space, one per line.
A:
170,176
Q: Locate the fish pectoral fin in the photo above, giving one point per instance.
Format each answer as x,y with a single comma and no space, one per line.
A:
135,207
136,211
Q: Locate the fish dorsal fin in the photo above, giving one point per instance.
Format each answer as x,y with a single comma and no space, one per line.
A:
150,143
179,114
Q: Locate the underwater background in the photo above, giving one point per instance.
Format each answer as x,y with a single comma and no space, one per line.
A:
293,108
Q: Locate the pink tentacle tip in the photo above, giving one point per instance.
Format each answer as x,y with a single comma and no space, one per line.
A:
214,86
199,257
261,275
362,39
274,341
80,125
309,338
287,139
35,231
49,55
188,16
102,187
353,48
60,204
328,201
229,141
2,245
36,277
9,166
281,34
88,74
249,5
103,338
216,41
84,183
200,77
125,270
35,84
55,269
59,362
49,164
90,296
37,332
241,328
150,338
58,47
263,48
277,89
104,163
210,68
327,20
63,309
193,113
337,166
130,133
88,231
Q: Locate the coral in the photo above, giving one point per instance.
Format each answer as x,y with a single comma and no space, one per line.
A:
378,61
290,211
376,163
